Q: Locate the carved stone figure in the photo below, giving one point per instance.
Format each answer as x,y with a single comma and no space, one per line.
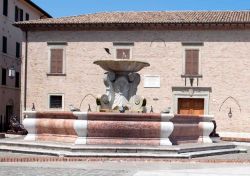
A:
121,83
16,127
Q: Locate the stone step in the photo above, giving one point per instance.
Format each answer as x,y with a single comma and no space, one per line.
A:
216,152
69,150
62,153
117,148
207,148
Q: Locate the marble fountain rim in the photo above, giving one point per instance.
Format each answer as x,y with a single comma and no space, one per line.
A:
98,115
121,65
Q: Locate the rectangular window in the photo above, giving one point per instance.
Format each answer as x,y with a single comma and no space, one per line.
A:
123,50
27,17
5,7
16,13
122,53
4,45
17,80
21,14
56,60
192,62
17,50
4,76
56,101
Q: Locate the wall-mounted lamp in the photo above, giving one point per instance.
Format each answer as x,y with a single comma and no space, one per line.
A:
11,72
230,114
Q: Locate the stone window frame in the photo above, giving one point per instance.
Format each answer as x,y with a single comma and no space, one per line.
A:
198,92
123,45
191,47
57,46
56,94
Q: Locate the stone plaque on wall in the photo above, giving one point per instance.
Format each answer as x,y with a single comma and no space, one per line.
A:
152,81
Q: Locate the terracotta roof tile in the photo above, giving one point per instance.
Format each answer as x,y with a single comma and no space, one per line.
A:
151,17
178,19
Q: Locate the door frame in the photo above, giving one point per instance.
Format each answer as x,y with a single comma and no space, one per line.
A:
197,92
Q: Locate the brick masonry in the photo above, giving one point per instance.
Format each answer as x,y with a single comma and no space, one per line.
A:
225,67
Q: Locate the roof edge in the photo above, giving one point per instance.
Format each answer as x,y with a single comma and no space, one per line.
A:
38,8
134,26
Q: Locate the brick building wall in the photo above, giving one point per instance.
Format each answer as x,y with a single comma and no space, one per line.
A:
10,93
225,67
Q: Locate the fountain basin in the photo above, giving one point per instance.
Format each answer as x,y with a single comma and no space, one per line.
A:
101,128
121,65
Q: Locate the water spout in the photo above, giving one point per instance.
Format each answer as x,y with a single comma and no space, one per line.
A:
85,97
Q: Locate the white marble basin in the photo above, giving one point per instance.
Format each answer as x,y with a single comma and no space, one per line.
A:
121,65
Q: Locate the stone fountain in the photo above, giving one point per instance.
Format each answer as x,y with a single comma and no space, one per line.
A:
121,81
111,127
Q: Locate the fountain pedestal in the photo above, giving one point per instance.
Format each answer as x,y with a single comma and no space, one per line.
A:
121,81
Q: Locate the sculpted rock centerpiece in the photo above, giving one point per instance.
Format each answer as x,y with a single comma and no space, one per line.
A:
121,81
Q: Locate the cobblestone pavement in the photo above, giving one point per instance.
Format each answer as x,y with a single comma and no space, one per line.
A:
43,171
209,166
123,169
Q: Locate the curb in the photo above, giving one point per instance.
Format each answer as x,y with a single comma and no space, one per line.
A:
68,159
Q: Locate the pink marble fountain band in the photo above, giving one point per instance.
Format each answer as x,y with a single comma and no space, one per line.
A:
115,128
55,115
191,129
105,116
99,128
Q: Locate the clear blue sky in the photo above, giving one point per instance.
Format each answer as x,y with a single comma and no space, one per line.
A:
59,8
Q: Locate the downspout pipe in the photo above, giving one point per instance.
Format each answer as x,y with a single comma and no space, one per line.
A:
25,70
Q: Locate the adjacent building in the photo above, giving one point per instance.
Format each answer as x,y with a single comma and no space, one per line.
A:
199,62
11,38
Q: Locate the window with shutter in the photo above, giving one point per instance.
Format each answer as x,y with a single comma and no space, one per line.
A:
21,14
123,50
17,50
192,62
4,45
5,7
123,53
57,54
17,80
4,76
16,13
27,17
56,61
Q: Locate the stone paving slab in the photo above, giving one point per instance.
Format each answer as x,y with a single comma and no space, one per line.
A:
59,171
124,168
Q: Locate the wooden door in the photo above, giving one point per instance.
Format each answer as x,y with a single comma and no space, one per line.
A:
9,113
191,106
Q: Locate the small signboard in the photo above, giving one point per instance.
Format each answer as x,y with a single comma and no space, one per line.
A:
152,81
